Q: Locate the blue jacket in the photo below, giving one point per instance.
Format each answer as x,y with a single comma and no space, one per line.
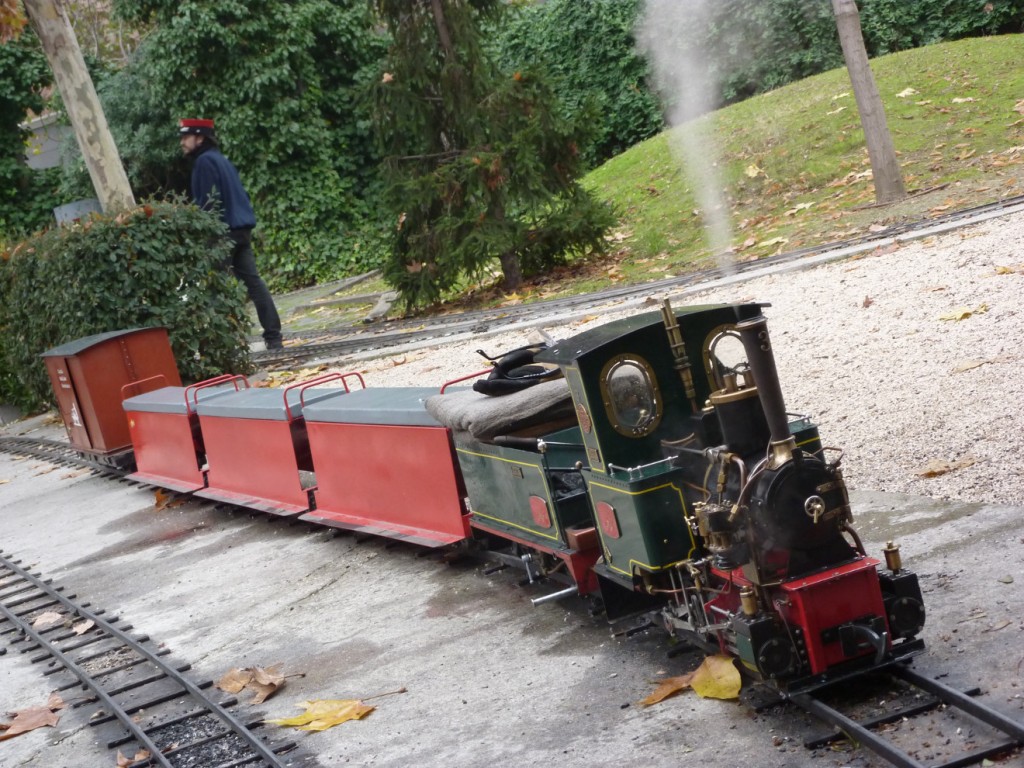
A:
216,186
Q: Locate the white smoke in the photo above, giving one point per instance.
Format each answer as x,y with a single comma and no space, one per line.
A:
688,91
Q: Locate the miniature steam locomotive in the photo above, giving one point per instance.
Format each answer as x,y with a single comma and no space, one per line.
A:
659,473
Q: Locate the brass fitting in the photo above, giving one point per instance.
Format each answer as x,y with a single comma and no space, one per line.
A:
893,561
748,601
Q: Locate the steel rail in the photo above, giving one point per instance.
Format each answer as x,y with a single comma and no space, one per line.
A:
236,727
357,338
863,734
957,699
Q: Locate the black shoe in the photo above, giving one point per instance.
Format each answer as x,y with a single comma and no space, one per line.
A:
277,344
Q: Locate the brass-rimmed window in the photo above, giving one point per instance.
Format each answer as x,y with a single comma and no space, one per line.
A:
723,354
631,396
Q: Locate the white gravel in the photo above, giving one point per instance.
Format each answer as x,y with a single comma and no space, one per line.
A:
920,404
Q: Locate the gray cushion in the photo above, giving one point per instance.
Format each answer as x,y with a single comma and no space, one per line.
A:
486,417
265,404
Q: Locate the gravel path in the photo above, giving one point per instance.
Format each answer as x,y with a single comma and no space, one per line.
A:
920,404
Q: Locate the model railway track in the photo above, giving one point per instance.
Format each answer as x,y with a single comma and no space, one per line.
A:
923,696
65,455
352,340
144,703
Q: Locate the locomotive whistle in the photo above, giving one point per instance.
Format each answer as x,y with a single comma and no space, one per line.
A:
678,347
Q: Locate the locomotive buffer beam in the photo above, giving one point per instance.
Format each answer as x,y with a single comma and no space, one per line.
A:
961,701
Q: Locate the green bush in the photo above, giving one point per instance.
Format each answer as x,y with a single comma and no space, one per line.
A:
588,50
160,264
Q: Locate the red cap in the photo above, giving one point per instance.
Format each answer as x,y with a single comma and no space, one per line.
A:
198,127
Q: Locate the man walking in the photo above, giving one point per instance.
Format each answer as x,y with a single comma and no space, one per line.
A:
216,186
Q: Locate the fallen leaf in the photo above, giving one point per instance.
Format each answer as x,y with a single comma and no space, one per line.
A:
967,365
996,627
322,714
29,719
668,686
717,678
1006,579
122,761
962,313
868,301
4,481
263,683
83,627
47,620
752,171
937,467
235,680
905,93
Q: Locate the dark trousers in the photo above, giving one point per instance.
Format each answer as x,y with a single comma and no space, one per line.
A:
243,264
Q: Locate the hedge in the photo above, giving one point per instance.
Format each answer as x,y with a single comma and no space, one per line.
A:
160,264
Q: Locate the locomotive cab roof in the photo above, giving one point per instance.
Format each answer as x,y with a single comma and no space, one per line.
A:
625,381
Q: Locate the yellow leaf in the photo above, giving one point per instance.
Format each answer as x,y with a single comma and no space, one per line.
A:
668,686
322,714
906,92
717,678
752,171
962,313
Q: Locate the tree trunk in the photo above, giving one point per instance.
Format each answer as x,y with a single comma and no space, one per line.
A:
82,104
884,165
513,275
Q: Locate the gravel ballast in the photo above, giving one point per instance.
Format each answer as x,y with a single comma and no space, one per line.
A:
920,402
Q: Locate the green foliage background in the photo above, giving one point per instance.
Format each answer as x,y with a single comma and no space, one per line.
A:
158,265
287,82
587,51
282,80
481,165
27,197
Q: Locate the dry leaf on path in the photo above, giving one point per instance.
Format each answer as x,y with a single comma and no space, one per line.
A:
263,682
937,467
47,620
82,627
962,313
668,686
322,714
717,678
30,718
122,761
967,365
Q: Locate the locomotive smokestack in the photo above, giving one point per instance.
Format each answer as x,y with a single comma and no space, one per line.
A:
754,335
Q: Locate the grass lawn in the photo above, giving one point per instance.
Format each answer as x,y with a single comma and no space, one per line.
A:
794,169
